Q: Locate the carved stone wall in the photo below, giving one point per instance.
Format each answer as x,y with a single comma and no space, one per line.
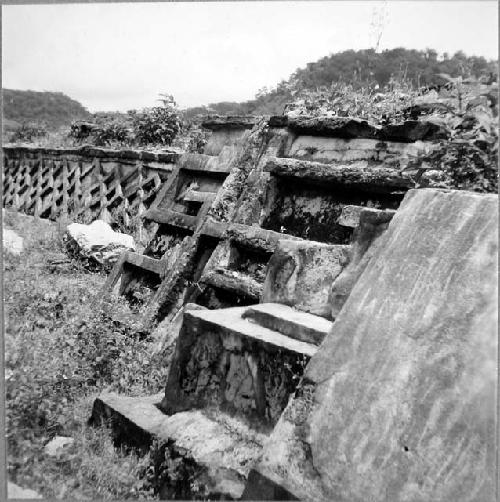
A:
86,182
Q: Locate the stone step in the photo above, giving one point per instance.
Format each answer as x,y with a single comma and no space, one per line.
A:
173,218
235,282
350,215
145,262
255,237
217,122
290,322
197,196
219,450
358,174
232,322
204,163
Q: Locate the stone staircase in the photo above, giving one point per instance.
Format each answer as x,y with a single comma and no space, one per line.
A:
178,213
257,287
311,184
233,373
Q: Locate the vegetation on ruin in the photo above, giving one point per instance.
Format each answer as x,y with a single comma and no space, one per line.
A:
362,68
60,353
458,91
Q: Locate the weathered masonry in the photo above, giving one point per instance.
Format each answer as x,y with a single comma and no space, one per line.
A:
84,182
221,213
386,392
335,329
254,297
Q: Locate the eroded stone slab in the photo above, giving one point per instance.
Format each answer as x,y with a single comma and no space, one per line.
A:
399,403
300,274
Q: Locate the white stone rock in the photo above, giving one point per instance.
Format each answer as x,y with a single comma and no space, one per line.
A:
12,243
57,445
99,241
16,492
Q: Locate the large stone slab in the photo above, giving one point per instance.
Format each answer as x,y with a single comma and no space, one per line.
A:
399,403
300,274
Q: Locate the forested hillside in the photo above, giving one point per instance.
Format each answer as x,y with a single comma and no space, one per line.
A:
53,109
361,68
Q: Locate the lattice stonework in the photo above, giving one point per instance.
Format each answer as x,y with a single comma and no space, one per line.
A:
83,182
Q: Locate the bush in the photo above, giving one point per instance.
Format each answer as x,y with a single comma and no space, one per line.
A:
156,126
101,133
367,102
469,159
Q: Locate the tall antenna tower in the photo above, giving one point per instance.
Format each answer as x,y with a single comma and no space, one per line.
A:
377,24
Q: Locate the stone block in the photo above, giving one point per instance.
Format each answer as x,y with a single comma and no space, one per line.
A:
57,446
223,360
97,243
16,492
12,242
300,274
349,217
370,226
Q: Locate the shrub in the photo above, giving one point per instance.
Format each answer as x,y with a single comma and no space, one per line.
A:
158,125
344,99
469,159
101,133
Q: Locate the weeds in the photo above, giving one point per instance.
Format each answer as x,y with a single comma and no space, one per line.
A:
59,354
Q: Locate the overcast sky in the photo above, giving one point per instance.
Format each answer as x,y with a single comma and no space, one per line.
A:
120,56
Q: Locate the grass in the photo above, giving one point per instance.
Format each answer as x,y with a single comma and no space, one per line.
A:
60,353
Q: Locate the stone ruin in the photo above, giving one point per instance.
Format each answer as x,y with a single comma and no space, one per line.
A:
335,328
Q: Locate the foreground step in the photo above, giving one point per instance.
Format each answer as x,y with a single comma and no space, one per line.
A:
290,322
245,369
209,449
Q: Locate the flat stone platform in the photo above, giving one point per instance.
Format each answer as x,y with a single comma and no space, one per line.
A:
218,448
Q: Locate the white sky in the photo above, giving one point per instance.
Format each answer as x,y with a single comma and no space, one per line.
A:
120,56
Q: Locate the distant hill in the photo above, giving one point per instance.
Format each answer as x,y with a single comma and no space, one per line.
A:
54,109
421,68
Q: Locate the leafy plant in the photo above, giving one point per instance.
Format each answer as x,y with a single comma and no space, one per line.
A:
101,132
158,125
469,159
